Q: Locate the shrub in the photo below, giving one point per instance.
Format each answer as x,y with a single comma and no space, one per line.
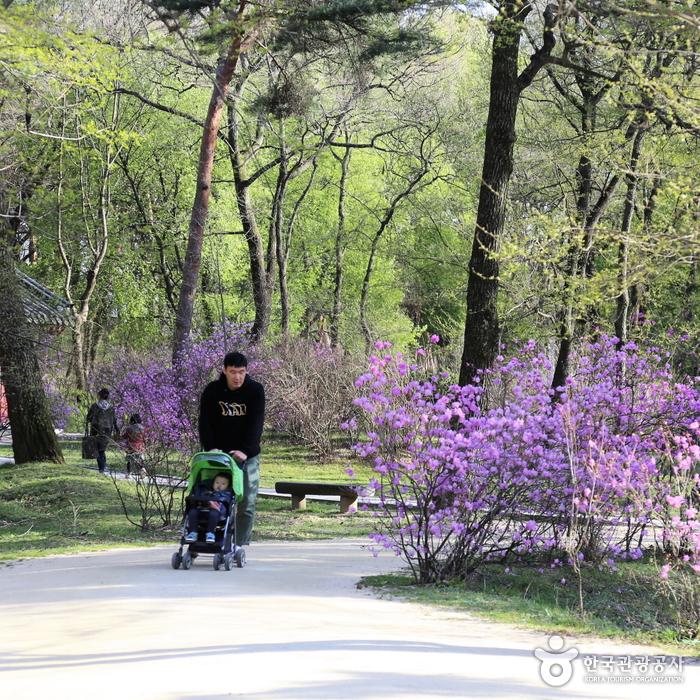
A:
578,471
154,497
167,396
309,391
679,518
308,387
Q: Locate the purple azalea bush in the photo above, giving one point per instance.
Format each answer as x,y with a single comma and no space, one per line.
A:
62,410
308,388
508,468
167,396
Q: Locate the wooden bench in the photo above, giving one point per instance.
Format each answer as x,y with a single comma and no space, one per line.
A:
299,490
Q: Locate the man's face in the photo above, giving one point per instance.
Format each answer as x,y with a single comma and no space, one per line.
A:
220,483
235,376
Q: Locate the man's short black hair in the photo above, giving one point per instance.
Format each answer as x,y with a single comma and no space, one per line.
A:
235,359
104,393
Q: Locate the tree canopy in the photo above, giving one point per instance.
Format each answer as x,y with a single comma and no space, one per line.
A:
373,170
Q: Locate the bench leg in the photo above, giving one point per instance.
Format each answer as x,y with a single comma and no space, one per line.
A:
348,504
298,502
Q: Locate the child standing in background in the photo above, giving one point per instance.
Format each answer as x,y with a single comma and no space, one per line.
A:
135,444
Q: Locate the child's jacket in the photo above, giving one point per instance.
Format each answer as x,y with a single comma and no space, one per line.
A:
204,492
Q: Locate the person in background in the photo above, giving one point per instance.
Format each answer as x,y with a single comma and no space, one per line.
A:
135,445
103,425
231,418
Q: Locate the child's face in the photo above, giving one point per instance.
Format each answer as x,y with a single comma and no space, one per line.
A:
220,483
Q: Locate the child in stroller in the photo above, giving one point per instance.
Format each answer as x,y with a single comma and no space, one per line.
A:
210,499
214,490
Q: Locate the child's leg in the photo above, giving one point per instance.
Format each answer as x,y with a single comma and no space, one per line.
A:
212,519
193,519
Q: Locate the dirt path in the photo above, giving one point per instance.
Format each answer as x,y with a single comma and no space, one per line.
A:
292,624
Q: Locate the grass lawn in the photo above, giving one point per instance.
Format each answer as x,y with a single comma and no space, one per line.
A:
52,509
279,461
623,605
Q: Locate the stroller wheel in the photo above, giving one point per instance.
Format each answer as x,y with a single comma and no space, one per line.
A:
186,560
227,562
217,562
239,556
176,560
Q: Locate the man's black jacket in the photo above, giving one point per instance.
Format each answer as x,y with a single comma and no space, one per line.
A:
232,419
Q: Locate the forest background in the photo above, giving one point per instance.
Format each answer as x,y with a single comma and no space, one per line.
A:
466,233
484,172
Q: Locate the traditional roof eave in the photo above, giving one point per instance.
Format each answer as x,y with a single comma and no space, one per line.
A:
41,306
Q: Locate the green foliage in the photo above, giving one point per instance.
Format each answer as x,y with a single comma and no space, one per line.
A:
321,73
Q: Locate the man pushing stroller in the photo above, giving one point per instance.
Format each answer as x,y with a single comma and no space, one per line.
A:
231,417
224,478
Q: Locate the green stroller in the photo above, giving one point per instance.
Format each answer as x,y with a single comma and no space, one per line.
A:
205,466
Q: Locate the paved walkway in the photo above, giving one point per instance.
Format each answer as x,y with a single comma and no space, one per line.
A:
291,625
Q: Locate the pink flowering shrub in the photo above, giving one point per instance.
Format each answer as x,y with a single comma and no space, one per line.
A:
167,397
680,510
309,389
679,515
466,476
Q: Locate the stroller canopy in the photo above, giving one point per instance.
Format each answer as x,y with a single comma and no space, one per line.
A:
206,465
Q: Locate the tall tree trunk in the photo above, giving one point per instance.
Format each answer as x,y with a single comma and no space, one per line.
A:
33,436
280,251
579,266
79,365
200,208
275,246
270,274
481,332
253,238
284,247
623,298
636,313
580,254
584,180
339,248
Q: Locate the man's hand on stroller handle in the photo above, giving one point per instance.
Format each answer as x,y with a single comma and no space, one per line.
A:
236,454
